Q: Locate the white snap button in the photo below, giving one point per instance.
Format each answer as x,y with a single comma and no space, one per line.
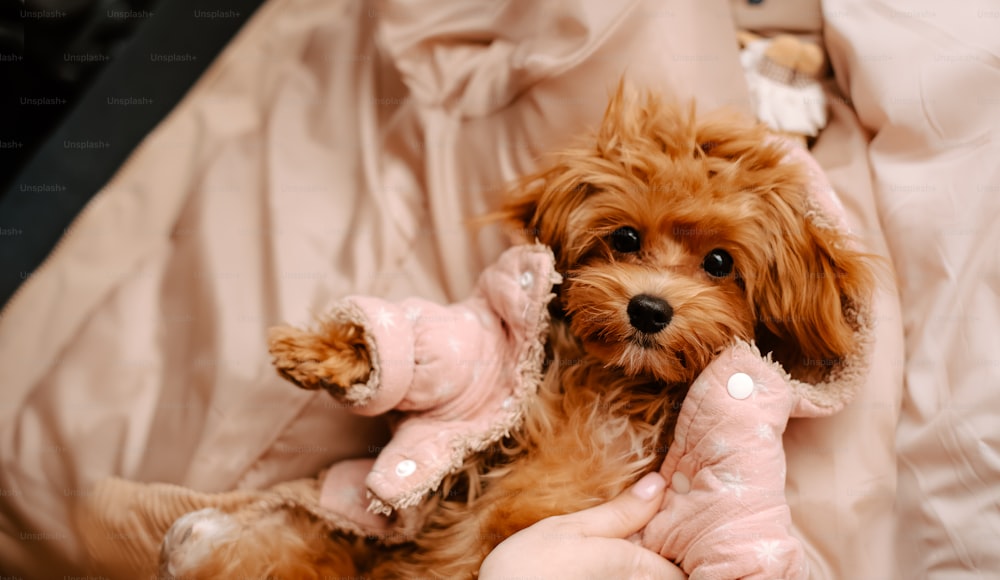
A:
526,279
680,482
406,467
740,386
507,403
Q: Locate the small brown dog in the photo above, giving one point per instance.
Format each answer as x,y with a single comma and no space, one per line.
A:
675,237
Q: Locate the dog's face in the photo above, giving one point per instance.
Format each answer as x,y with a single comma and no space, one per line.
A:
676,236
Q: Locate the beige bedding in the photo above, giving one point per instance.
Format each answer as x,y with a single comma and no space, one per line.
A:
339,146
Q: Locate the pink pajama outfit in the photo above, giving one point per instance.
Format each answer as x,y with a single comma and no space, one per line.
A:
460,373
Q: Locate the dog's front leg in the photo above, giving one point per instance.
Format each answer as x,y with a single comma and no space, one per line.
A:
335,357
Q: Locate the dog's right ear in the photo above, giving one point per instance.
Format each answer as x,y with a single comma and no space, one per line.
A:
518,212
623,119
540,208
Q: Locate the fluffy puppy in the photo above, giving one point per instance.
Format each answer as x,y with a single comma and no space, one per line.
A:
675,235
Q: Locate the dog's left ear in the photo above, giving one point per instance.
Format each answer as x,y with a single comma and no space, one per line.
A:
806,298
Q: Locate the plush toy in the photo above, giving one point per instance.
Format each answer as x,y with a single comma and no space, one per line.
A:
783,77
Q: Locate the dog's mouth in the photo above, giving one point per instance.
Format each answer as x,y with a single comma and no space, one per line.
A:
649,343
639,354
608,337
649,346
645,341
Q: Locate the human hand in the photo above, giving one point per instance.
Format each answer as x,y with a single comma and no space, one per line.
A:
587,544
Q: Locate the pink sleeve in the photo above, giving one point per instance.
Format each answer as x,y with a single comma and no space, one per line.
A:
724,515
423,353
461,374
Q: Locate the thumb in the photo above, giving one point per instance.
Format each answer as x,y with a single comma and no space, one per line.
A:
624,515
619,559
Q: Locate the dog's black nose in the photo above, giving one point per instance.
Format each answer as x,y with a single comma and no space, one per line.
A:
649,314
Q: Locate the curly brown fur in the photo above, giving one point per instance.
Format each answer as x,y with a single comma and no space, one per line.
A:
592,432
689,186
257,542
618,373
335,356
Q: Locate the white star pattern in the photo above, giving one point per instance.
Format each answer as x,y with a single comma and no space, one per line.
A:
446,387
733,482
721,448
765,432
413,313
768,551
384,318
699,387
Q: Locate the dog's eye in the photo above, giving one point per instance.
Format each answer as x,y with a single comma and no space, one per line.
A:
625,240
718,263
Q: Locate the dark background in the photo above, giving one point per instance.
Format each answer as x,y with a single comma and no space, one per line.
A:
35,39
81,83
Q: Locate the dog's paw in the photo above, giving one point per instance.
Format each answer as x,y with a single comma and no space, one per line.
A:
335,358
255,541
192,540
